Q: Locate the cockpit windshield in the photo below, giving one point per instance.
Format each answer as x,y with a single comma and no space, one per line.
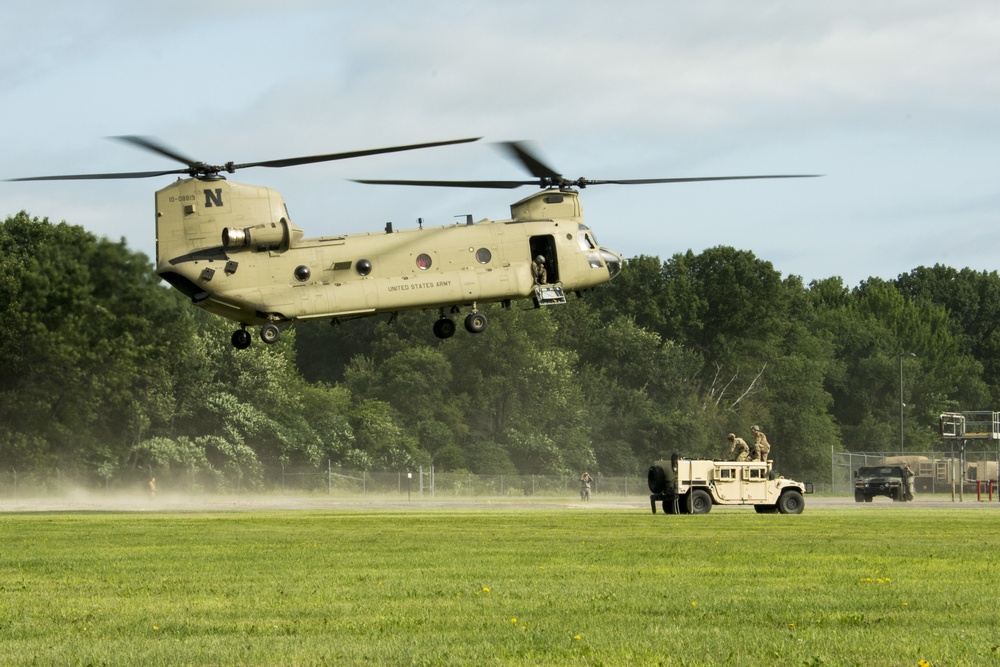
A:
585,230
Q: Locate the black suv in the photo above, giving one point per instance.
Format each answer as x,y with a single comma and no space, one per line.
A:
879,481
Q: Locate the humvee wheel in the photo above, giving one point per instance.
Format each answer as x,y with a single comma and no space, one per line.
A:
656,479
859,496
791,502
671,505
701,502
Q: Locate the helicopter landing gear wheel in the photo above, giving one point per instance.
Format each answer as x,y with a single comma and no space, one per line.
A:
444,328
270,333
242,339
475,323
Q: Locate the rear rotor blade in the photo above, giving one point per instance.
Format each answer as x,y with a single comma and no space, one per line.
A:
154,146
87,177
196,168
291,162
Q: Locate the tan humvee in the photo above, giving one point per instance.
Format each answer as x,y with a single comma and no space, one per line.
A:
692,486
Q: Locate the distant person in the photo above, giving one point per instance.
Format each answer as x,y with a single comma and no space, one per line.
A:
152,488
761,447
585,480
908,486
739,446
538,272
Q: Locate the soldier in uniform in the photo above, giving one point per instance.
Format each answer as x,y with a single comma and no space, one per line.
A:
585,480
538,270
740,446
761,446
907,482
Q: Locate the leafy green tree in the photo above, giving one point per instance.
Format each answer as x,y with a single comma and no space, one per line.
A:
871,328
88,330
972,301
753,351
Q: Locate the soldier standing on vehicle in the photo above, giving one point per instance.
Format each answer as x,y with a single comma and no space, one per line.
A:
761,446
585,480
740,446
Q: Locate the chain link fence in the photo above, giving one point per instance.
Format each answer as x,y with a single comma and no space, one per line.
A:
290,480
949,472
952,472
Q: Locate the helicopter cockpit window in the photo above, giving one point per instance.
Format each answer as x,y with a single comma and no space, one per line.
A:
423,261
584,229
483,255
586,243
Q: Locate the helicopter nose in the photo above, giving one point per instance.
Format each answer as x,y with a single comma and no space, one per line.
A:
613,261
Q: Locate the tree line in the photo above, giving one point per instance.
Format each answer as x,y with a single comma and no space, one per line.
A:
106,369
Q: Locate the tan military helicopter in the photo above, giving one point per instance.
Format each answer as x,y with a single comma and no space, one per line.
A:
233,249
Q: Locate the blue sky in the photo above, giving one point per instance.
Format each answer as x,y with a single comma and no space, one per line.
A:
896,103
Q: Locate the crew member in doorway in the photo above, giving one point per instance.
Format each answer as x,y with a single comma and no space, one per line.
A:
538,270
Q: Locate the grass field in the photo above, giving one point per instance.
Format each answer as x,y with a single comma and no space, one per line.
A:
895,586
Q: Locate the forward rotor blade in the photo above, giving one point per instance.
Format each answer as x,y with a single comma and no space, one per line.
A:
291,162
519,151
563,183
501,185
647,181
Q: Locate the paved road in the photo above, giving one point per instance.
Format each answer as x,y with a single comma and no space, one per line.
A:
102,503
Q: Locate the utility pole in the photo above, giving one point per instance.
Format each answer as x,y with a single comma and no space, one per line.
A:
905,355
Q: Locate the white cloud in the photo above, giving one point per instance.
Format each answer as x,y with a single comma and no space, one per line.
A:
896,101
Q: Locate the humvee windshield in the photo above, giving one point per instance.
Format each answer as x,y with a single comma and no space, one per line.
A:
881,471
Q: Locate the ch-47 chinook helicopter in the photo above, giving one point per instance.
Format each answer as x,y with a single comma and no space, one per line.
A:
234,251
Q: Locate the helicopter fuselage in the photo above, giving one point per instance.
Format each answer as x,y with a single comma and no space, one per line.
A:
234,251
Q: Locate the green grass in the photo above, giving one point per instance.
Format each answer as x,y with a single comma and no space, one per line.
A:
478,587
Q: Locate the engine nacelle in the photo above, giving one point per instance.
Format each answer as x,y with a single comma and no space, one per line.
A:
271,236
